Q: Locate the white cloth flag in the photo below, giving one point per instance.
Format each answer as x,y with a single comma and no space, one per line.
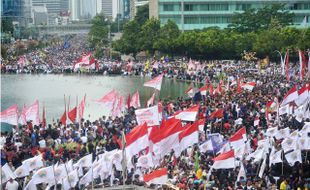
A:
206,146
283,133
71,180
271,132
86,161
33,163
32,113
304,143
60,172
289,144
145,161
43,175
275,157
6,173
150,116
262,168
87,178
293,157
22,171
31,186
241,172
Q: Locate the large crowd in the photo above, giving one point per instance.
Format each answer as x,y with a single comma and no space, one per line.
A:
192,169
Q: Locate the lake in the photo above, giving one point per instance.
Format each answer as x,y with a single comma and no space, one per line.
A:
50,91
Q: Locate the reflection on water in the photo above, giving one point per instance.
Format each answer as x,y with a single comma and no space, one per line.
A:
50,90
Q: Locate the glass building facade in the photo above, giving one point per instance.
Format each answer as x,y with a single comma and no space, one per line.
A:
199,14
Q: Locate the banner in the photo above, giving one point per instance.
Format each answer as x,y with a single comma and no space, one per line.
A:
148,115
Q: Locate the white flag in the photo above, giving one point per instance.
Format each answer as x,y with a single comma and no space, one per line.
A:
206,146
145,161
262,168
283,133
60,172
71,180
87,178
241,172
6,173
34,163
303,143
22,171
31,186
43,175
293,157
289,144
275,156
150,116
86,161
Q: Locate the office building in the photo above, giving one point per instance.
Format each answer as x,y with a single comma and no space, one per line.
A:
18,11
199,14
134,5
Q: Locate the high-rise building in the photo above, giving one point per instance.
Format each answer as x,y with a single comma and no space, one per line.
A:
17,10
134,4
107,8
53,9
199,14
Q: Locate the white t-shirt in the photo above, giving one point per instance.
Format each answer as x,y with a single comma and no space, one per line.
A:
42,143
11,186
84,139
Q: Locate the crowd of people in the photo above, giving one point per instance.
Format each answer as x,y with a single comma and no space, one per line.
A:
58,143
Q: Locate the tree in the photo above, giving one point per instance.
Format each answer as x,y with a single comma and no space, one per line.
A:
167,40
98,34
142,14
7,25
130,41
255,20
149,35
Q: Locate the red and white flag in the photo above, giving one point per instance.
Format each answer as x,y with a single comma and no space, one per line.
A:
81,107
32,113
189,114
189,136
238,139
109,99
85,60
291,96
136,140
303,94
135,100
248,86
10,115
119,106
150,101
159,176
217,114
72,115
22,118
302,64
150,116
166,137
190,92
225,160
203,90
155,83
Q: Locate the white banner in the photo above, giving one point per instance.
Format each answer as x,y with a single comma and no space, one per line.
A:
149,115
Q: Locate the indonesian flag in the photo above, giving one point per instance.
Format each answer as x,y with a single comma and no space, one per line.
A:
22,118
303,94
217,114
10,115
109,99
81,107
135,100
118,107
190,92
136,140
238,139
225,160
158,176
166,137
302,64
151,100
291,96
203,90
287,66
256,121
32,113
189,114
84,61
72,115
155,83
248,86
189,136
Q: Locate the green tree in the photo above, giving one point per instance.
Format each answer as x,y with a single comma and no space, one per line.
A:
167,40
99,31
7,25
149,35
255,20
130,41
142,14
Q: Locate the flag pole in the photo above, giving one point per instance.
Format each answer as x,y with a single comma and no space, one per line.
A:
65,108
124,164
77,100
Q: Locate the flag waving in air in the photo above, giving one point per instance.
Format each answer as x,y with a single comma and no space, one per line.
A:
155,83
10,115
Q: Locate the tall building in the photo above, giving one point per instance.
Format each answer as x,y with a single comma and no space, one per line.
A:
53,9
199,14
134,4
107,8
18,11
